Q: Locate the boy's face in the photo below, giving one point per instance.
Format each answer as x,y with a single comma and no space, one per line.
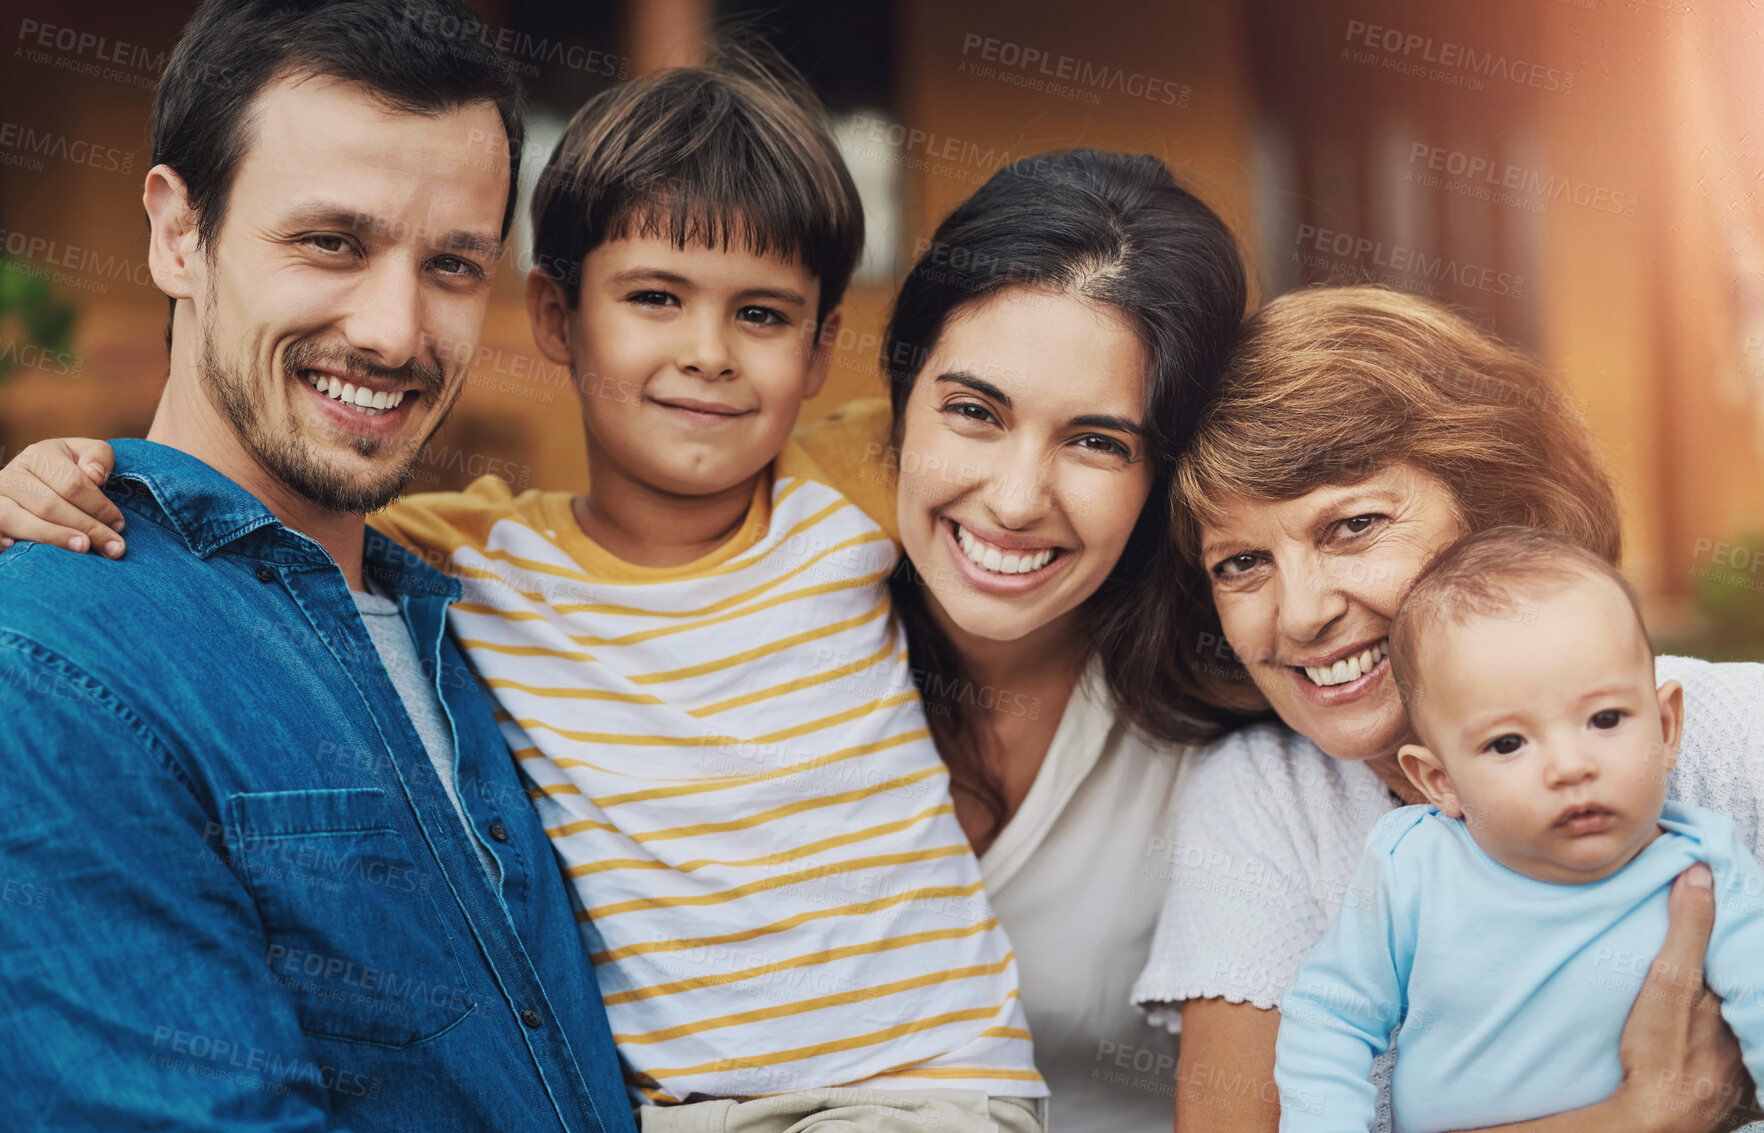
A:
1545,733
691,362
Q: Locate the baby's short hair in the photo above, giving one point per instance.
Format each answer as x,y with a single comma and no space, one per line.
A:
737,150
1490,574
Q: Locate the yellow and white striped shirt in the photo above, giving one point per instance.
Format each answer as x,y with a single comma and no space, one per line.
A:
734,767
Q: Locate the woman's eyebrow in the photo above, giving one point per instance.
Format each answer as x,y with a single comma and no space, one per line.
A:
1348,497
978,385
1108,421
1211,547
1085,421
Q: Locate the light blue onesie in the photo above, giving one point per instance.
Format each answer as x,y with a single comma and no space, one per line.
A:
1510,992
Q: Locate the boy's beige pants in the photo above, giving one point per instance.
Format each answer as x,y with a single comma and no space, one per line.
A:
853,1111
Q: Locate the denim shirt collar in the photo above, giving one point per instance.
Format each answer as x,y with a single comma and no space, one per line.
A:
208,511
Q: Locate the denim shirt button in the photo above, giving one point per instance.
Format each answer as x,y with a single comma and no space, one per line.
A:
531,1018
498,831
265,574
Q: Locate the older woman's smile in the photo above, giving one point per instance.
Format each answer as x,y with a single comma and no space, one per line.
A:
1344,674
1344,664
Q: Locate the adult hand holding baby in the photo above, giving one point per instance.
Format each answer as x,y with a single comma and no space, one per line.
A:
1681,1064
1682,1071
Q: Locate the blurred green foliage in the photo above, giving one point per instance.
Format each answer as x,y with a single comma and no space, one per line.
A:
31,313
1728,623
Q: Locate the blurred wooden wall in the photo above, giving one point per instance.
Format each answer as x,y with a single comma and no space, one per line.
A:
1277,112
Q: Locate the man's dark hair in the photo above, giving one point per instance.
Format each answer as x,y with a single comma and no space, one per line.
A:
416,56
737,150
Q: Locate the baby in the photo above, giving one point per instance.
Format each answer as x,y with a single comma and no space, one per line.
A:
1506,927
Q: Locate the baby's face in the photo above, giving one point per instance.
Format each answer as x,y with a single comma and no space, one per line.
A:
1553,739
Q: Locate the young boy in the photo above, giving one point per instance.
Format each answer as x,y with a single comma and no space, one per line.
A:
696,659
1506,928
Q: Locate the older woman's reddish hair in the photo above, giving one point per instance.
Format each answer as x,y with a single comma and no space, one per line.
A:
1329,386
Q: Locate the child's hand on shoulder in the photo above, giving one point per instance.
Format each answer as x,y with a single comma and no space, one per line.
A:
51,493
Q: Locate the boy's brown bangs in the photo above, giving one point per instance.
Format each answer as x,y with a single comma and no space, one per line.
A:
687,218
733,153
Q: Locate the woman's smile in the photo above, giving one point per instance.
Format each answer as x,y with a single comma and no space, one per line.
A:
1008,566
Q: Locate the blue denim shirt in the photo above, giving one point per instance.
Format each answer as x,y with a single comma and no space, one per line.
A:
235,894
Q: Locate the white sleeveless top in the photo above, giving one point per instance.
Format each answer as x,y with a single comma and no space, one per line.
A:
1076,880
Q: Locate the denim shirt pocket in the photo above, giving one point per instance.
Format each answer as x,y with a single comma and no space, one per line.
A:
354,939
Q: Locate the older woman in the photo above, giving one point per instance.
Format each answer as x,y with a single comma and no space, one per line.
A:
1356,432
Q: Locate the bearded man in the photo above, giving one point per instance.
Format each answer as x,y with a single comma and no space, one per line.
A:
283,872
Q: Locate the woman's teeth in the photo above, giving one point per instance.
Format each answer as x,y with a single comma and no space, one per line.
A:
999,562
370,403
1348,668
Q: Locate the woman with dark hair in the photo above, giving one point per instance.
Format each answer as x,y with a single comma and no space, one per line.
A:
1114,238
1047,358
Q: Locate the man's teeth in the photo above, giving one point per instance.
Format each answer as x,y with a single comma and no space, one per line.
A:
368,402
999,562
1348,668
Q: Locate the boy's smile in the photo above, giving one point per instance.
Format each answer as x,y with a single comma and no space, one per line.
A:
1545,732
697,411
